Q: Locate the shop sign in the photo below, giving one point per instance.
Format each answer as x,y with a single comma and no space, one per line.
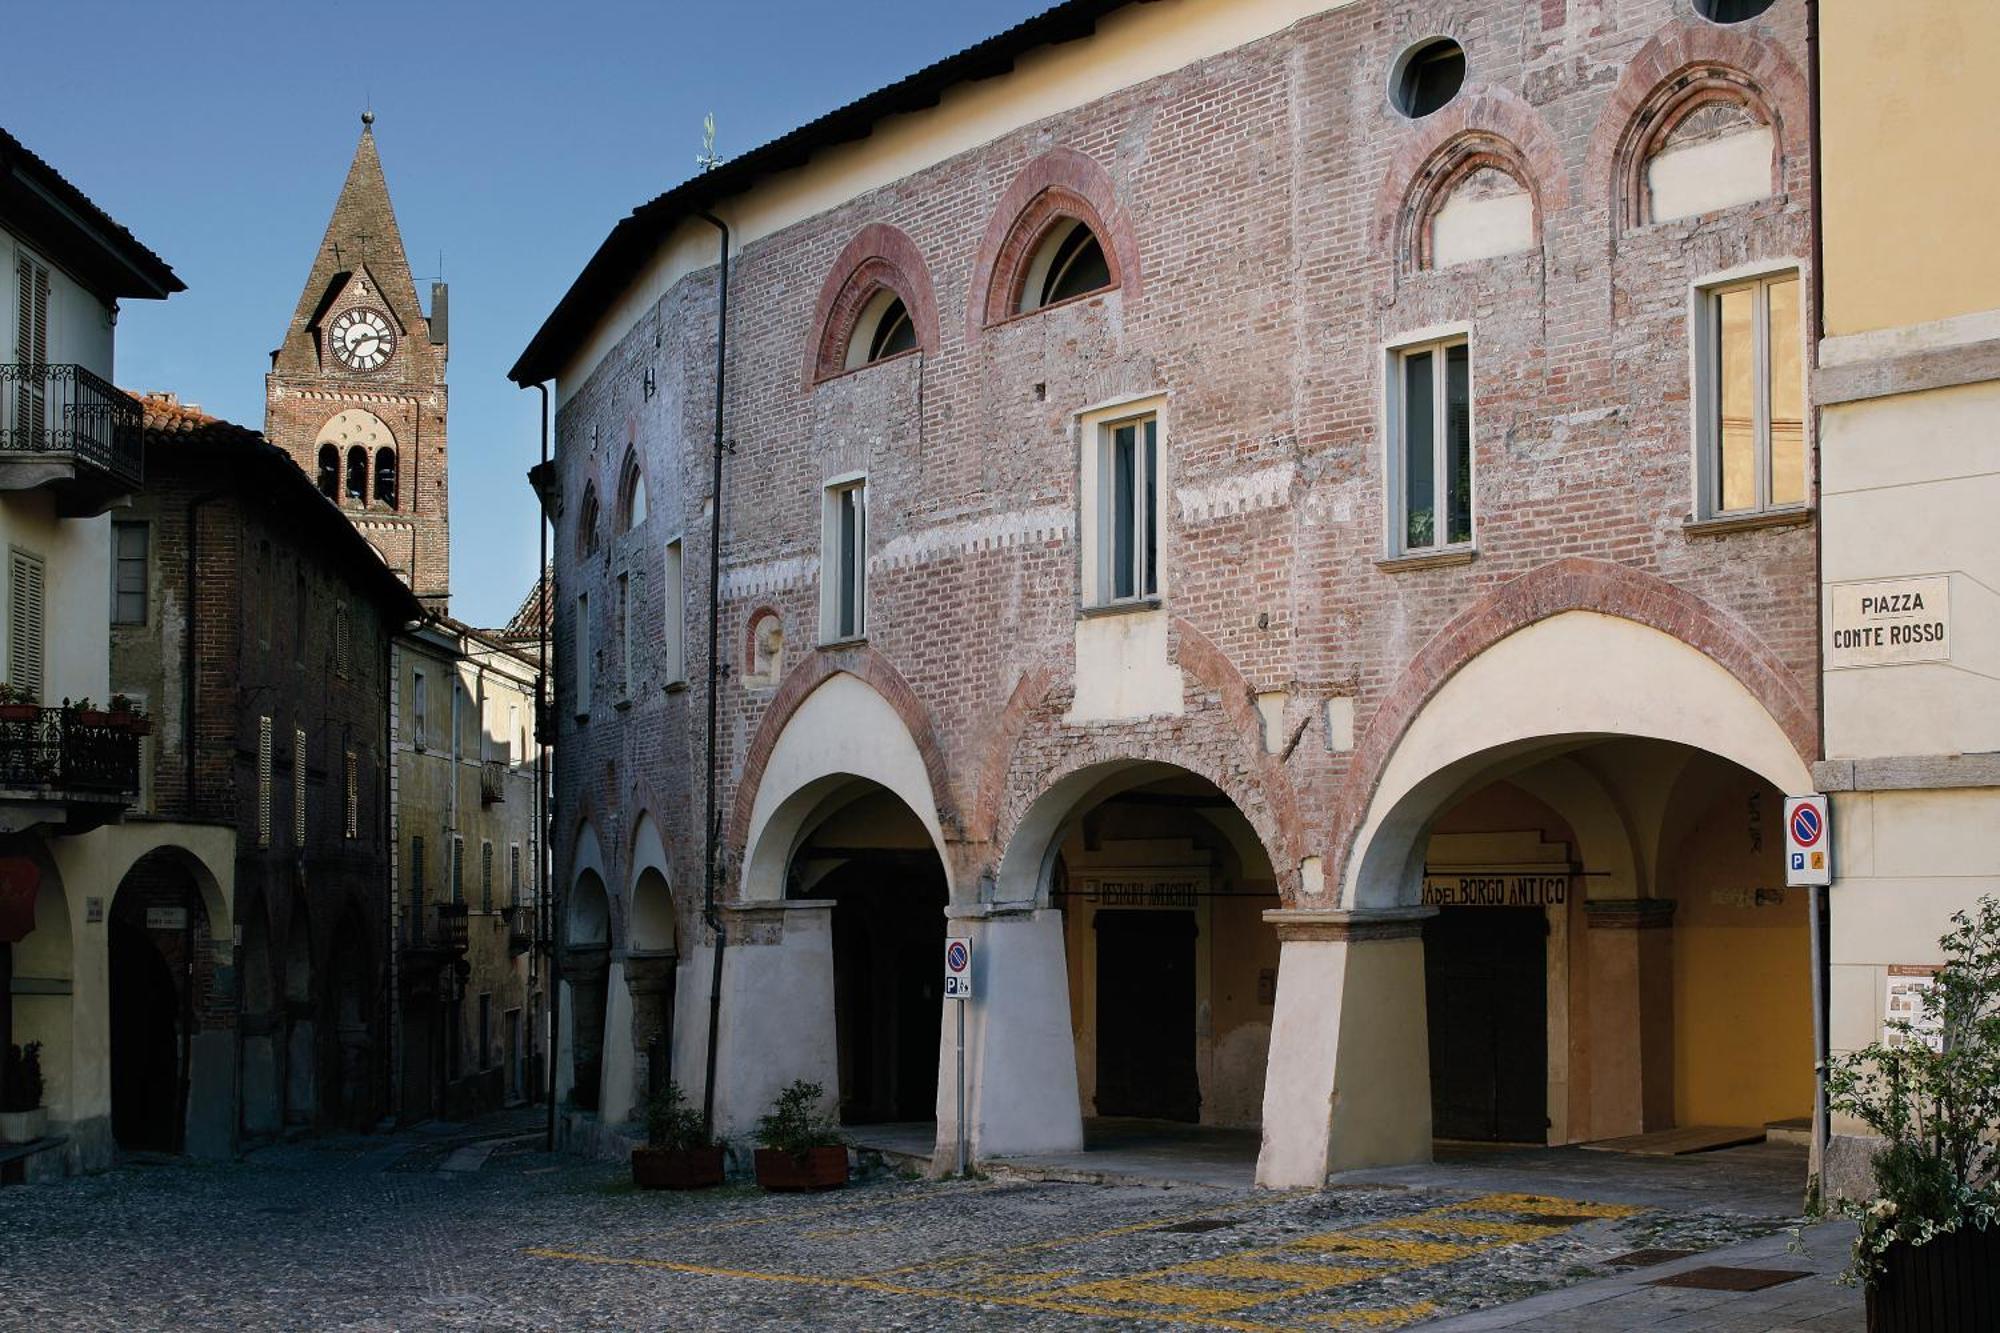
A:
1139,889
166,918
1910,999
1510,890
1888,621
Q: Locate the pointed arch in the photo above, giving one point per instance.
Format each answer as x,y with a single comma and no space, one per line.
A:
1487,128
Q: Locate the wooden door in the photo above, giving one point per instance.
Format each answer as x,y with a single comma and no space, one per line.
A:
1145,1015
1486,987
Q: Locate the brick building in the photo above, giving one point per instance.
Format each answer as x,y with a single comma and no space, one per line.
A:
1287,524
356,393
268,678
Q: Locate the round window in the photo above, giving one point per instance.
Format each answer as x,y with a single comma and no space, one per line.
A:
1427,76
1730,11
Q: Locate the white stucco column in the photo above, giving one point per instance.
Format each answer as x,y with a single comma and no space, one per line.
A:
616,1101
1020,1056
1349,1078
777,1010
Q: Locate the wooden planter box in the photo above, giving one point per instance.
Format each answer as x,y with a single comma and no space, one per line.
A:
1951,1285
677,1168
19,712
813,1169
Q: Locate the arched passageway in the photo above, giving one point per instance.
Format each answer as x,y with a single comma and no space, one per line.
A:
160,966
586,967
1566,891
348,1073
261,1023
301,1025
869,858
1132,974
651,969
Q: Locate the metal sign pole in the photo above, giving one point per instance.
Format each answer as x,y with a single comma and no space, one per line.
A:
960,1006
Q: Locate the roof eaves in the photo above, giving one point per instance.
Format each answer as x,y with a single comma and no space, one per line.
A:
632,241
148,276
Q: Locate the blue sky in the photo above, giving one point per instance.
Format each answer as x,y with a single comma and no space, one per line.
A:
513,134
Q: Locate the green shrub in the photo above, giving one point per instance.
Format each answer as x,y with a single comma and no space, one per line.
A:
1932,1094
796,1124
672,1123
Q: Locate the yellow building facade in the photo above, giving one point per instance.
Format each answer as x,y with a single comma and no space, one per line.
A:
1908,385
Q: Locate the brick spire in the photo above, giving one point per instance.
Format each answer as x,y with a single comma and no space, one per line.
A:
369,429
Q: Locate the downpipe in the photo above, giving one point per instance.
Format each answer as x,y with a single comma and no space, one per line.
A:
709,915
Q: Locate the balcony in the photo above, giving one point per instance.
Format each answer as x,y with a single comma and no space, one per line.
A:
63,428
438,929
64,769
520,928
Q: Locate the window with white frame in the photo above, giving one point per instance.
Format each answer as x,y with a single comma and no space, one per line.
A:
27,622
1430,446
673,621
298,787
264,781
1124,457
843,576
1750,394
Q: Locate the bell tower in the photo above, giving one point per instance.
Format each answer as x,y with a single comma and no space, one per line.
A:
356,393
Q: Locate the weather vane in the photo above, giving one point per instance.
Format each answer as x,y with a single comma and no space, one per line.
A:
708,161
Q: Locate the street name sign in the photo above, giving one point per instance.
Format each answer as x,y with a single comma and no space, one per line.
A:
1888,621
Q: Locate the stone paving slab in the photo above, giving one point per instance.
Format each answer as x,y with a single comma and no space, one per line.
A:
346,1239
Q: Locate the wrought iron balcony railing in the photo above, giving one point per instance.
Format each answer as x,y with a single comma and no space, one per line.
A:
64,411
49,749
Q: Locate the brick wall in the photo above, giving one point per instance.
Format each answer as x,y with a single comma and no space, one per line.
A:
1263,195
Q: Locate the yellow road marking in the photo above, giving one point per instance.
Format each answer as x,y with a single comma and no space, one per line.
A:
1198,1292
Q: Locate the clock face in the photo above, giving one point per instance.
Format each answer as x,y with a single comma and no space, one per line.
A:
362,339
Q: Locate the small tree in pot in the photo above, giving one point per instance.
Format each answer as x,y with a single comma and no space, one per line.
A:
801,1146
679,1154
22,1118
1929,1247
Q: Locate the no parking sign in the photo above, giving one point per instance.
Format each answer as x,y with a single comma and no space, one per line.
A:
1808,848
957,969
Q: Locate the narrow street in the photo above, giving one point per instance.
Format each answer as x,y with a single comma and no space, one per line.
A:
474,1227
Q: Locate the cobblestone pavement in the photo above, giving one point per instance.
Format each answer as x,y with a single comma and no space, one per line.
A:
436,1231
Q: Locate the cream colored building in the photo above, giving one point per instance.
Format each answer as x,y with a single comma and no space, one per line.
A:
1909,390
104,917
462,800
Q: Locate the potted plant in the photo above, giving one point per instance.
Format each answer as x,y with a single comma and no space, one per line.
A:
16,704
88,714
127,716
801,1148
22,1117
679,1154
1929,1242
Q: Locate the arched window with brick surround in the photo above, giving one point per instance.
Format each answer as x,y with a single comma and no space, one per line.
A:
1058,235
588,522
875,305
1474,199
385,477
329,471
631,494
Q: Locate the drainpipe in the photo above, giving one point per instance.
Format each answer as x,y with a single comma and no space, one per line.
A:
1818,901
709,915
545,912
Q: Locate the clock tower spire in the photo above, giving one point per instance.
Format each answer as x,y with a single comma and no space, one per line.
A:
356,393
